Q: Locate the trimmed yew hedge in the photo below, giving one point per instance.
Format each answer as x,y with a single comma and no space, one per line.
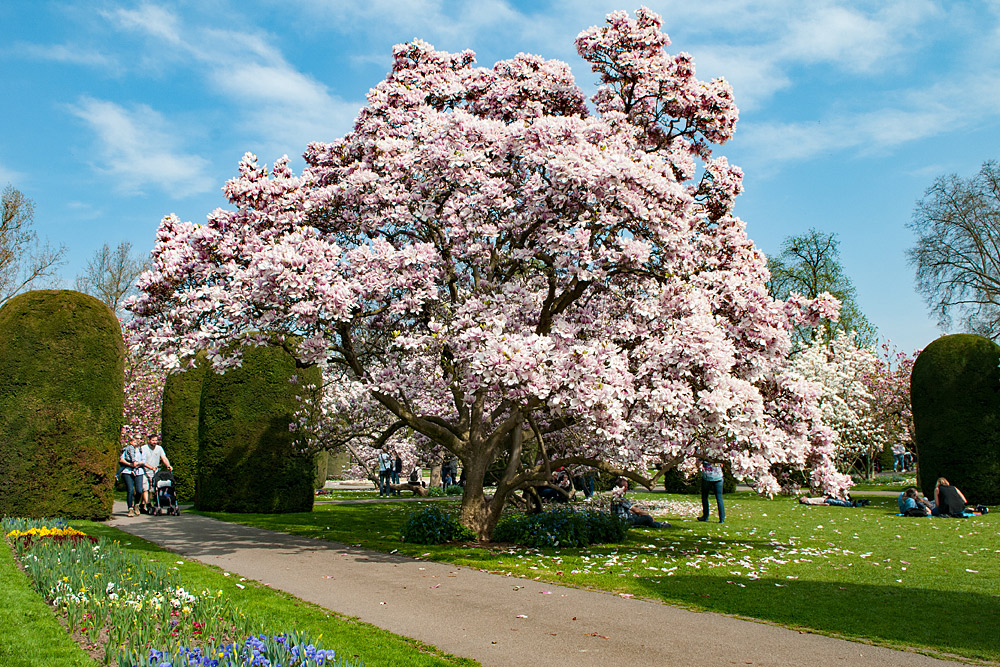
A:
61,401
955,392
248,460
179,424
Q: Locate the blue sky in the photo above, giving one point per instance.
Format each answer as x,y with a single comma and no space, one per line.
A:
119,113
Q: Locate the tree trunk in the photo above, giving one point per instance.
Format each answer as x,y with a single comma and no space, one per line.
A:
479,513
435,475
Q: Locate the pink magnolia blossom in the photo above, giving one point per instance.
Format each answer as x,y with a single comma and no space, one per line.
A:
488,265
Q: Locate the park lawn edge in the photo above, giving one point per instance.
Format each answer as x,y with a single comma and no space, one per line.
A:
31,633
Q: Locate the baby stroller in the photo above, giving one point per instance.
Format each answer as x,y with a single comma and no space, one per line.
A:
164,494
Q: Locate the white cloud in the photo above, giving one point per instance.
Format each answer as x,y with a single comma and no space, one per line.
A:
9,176
65,53
280,107
901,117
138,148
156,21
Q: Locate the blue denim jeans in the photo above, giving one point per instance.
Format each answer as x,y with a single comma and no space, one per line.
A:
384,476
716,488
132,490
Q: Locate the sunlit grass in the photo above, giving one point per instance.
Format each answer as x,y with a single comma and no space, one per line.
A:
861,573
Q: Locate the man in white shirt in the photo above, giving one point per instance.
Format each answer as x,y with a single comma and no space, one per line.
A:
153,455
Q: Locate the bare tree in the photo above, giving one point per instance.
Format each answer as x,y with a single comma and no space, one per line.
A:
809,264
957,254
24,262
110,275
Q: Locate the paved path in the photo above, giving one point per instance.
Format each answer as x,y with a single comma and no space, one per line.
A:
473,614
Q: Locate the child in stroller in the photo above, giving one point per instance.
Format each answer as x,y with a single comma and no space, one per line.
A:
164,494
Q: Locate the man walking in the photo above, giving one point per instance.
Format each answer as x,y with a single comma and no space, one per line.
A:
153,456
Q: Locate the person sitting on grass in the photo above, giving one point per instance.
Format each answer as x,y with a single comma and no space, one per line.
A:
911,503
831,500
948,500
634,514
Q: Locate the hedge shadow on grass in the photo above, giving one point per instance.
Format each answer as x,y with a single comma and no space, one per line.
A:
849,609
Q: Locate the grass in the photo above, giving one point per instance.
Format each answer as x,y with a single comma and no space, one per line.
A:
32,635
858,573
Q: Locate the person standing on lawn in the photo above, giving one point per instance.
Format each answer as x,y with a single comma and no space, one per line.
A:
385,467
711,482
898,451
397,467
154,455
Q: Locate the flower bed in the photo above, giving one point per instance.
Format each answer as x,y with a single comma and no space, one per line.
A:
137,614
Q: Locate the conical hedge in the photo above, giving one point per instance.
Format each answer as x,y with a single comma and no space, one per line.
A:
61,400
248,460
955,392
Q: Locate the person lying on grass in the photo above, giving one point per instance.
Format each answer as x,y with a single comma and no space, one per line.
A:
830,500
911,503
634,514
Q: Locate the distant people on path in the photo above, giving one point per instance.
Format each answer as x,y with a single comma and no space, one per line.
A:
898,452
449,472
831,500
633,513
154,456
948,500
385,467
711,482
911,503
132,474
397,467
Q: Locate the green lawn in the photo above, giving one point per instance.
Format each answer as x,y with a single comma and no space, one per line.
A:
860,573
31,635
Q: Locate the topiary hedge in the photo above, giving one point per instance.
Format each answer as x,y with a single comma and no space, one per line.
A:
179,425
248,460
61,401
955,393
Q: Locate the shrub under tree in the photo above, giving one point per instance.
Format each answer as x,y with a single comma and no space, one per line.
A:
248,460
61,398
955,389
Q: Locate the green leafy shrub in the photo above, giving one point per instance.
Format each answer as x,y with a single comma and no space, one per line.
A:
450,490
955,393
62,392
561,527
432,525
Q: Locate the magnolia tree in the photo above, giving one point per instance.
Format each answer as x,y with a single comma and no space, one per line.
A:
144,379
865,396
515,277
890,389
843,370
